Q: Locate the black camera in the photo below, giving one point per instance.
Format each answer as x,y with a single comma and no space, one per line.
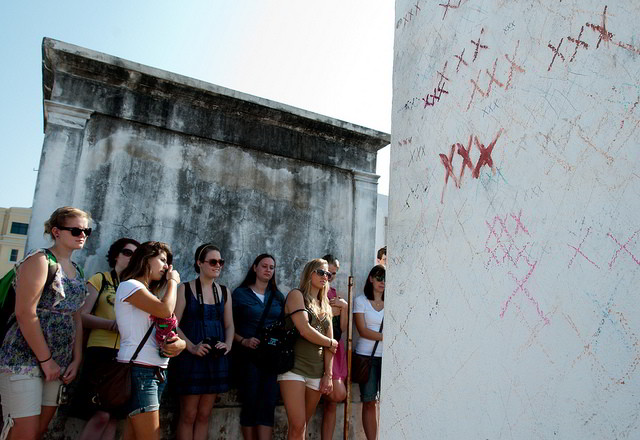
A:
214,352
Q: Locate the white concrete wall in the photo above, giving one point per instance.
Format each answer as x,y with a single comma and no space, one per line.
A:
382,218
512,308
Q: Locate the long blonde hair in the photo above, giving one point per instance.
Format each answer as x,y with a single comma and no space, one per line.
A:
324,309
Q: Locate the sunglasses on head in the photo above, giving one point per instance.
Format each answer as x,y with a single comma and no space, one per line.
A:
213,262
76,231
379,277
323,273
126,252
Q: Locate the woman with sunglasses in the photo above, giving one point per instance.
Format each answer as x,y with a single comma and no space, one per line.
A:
205,316
99,320
42,347
339,309
148,274
257,387
307,308
368,313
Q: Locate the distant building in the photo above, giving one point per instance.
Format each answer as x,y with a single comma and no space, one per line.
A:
13,236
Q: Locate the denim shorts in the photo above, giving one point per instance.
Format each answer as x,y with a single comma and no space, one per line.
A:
370,391
147,385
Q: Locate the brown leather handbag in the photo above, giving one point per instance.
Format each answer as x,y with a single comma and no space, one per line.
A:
111,385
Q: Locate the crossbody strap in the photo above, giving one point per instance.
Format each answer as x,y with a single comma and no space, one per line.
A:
295,311
267,307
144,341
377,342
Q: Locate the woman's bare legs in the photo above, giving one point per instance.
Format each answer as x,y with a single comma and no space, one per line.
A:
195,411
145,426
331,401
100,426
300,403
370,419
259,432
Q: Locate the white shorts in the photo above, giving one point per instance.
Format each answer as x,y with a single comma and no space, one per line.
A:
22,395
309,382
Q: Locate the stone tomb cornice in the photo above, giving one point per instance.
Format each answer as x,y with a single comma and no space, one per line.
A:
96,82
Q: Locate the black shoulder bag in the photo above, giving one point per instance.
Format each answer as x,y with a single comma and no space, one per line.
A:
275,351
361,365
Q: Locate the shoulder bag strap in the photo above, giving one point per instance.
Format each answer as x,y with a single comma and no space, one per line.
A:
267,307
296,311
376,344
201,303
144,341
114,279
102,287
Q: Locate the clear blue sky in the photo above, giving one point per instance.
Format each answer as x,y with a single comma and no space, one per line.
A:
330,57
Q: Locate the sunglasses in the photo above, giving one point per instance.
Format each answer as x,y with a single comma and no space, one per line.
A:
126,252
213,262
323,273
332,275
76,231
379,277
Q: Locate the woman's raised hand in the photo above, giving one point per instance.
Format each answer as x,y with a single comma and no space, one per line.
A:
173,274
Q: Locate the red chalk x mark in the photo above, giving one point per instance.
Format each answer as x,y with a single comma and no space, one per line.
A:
605,35
556,52
485,155
465,153
478,45
578,42
578,250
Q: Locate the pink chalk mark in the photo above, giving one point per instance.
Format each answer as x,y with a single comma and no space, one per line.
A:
623,247
521,287
508,246
519,224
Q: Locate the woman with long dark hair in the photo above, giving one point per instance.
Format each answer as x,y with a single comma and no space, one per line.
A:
204,313
42,347
307,308
368,314
147,275
99,320
257,387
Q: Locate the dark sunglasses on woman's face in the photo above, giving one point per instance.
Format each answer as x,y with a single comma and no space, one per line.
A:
379,277
76,231
126,252
213,262
323,273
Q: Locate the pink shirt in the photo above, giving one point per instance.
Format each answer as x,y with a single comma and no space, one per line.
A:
340,358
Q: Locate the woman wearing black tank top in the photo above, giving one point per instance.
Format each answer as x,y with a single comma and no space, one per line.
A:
204,312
